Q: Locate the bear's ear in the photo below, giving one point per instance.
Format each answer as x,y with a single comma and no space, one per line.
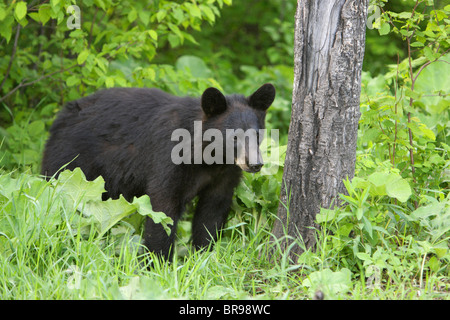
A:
213,102
262,98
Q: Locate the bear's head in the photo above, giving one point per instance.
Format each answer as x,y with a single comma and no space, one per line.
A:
237,121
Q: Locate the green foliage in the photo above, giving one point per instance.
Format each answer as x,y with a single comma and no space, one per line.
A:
70,200
388,239
328,282
47,61
62,62
86,197
256,200
393,223
23,144
53,228
406,112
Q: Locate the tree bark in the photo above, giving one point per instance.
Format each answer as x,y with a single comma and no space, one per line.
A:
321,151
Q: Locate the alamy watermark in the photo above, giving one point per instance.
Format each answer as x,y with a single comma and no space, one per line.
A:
246,149
74,21
373,17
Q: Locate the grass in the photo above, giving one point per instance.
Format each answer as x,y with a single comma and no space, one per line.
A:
48,252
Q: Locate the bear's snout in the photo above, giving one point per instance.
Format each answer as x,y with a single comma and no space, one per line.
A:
255,167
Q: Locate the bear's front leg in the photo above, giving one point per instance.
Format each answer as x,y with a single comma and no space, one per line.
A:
210,216
157,240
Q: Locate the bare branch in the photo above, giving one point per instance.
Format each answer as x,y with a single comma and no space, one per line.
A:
13,53
26,84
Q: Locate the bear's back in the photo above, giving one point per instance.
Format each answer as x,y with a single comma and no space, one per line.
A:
117,128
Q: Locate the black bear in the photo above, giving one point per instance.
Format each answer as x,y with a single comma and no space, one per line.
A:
126,135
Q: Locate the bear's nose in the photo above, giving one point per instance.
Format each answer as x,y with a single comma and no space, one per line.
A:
255,167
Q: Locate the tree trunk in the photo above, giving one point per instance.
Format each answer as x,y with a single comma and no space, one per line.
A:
321,151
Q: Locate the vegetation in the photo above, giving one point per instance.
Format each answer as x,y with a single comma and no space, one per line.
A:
388,240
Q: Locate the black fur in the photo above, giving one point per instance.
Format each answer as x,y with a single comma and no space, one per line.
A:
124,135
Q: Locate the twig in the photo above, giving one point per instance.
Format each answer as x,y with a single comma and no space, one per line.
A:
92,28
26,84
395,111
38,55
13,53
427,64
411,100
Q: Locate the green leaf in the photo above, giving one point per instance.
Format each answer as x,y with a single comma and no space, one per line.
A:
33,15
153,34
132,15
108,213
417,44
179,15
434,264
195,65
378,178
161,15
100,3
367,226
427,132
44,13
144,208
429,53
385,28
359,213
364,256
404,15
73,80
193,10
173,40
326,215
399,189
2,13
425,212
432,79
390,184
6,27
36,128
246,195
144,16
21,10
141,288
440,252
329,282
82,56
86,197
109,82
75,187
378,181
412,94
208,12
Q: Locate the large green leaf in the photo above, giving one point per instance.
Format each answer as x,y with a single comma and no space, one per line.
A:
391,184
144,207
329,282
20,10
108,213
75,187
86,197
399,189
432,79
195,65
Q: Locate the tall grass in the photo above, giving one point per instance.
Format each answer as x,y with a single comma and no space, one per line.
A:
47,251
